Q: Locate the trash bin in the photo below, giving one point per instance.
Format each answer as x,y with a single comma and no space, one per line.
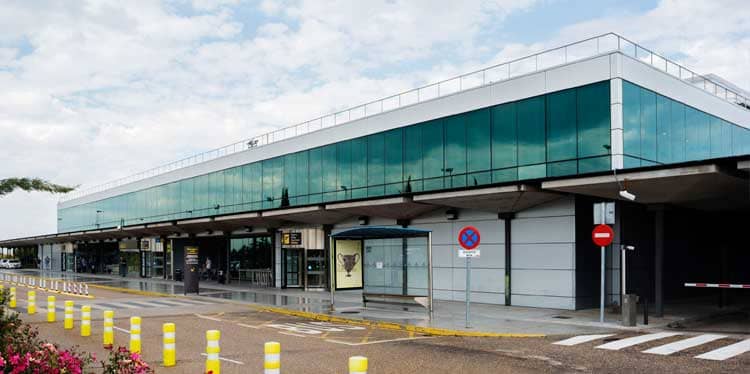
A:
178,275
629,309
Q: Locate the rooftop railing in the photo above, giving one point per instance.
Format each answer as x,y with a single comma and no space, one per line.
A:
568,53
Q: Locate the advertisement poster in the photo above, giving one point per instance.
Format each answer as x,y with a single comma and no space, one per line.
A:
348,264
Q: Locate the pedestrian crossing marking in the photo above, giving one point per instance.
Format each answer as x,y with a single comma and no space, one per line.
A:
629,342
581,339
729,351
684,344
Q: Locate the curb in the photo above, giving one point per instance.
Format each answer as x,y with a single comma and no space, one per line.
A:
435,331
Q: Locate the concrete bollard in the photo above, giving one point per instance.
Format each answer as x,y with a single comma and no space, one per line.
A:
86,320
212,351
86,289
169,353
108,337
51,315
272,359
135,334
31,302
68,320
12,302
357,365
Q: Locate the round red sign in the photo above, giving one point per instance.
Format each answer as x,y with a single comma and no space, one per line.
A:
602,235
469,237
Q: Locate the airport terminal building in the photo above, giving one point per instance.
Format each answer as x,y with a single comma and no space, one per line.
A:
521,151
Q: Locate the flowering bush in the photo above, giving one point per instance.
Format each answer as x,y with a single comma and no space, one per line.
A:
22,352
122,361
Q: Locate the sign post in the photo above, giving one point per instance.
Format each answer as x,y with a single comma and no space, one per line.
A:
602,236
469,239
191,271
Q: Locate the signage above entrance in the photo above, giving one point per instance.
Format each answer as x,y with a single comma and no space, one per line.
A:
291,238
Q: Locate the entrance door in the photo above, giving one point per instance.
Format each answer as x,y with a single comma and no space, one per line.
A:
146,264
316,268
291,267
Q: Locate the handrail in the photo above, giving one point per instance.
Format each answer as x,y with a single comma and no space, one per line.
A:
576,51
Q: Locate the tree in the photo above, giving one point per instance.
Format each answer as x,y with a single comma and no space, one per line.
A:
31,184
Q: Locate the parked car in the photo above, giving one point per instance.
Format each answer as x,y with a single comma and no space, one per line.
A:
4,263
13,264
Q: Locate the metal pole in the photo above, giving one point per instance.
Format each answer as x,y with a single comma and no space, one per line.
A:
429,271
468,290
332,266
624,288
601,300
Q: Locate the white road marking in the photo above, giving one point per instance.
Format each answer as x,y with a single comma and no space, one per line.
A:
249,326
121,329
581,339
122,305
291,334
209,318
628,342
227,360
729,351
684,344
377,341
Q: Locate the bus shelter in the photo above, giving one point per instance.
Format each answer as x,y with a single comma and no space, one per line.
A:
385,263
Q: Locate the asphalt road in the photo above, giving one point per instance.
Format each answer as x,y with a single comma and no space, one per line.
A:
315,347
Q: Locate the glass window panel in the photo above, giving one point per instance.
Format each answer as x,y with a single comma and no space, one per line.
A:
375,165
631,119
677,133
648,125
740,141
561,126
394,161
726,138
302,176
697,142
479,144
328,154
359,168
594,164
432,151
663,129
455,151
504,140
413,158
344,173
531,132
290,178
316,175
267,196
562,168
532,172
278,180
593,114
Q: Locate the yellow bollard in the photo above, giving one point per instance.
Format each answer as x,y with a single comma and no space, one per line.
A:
108,337
212,351
169,352
68,320
86,320
272,360
135,334
51,315
12,302
31,305
357,365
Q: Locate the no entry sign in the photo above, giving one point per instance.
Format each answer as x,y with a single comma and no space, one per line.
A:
469,237
602,235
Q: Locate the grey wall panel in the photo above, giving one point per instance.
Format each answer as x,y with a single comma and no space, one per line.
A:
544,230
552,256
543,282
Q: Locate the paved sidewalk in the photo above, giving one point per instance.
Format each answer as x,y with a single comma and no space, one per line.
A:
447,314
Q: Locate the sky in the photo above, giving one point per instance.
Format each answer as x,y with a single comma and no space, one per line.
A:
91,91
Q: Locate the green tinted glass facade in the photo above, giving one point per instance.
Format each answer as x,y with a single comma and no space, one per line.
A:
558,134
658,130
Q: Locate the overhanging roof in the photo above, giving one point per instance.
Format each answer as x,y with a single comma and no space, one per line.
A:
492,199
402,207
380,232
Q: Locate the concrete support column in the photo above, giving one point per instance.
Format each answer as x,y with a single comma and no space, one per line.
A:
658,261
